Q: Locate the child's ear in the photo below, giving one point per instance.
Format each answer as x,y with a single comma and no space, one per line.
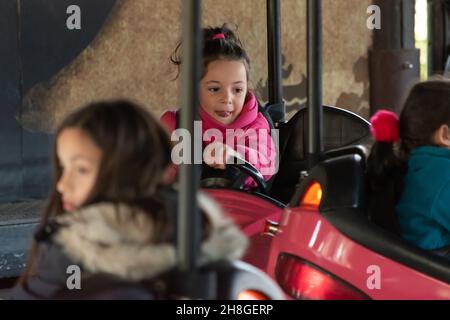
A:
442,136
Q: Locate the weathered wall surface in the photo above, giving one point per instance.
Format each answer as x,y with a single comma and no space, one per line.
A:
130,57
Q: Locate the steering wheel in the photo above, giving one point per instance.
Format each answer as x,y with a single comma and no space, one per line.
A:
233,176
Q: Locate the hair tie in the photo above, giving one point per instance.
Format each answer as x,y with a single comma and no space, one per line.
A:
218,36
385,126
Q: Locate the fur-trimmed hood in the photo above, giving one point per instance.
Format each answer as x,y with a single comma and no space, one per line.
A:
115,239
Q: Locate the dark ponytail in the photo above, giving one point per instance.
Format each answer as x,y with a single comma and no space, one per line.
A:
219,43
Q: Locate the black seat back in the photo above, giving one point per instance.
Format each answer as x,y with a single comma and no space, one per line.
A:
340,128
341,178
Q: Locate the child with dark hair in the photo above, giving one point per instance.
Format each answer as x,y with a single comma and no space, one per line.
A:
229,106
410,164
107,209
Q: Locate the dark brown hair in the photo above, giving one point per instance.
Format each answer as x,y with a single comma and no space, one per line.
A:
227,48
135,153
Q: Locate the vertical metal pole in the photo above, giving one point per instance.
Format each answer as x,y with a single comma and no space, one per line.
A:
315,118
431,30
275,80
189,223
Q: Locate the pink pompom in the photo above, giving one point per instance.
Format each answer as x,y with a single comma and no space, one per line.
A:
385,126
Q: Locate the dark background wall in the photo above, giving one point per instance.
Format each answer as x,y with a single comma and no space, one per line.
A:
34,44
10,132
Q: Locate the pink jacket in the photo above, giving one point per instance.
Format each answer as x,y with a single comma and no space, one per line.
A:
253,140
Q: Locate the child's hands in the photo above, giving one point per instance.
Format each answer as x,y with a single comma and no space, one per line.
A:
217,155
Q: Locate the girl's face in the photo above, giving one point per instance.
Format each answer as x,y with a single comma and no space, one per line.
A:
223,90
79,158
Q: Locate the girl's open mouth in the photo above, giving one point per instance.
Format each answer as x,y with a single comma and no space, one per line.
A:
223,114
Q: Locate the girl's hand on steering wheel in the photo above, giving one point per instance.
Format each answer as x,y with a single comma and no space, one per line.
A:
217,155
